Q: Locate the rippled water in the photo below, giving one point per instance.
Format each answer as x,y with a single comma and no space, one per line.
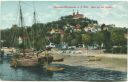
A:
70,73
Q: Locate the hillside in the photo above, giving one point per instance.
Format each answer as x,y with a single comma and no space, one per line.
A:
72,30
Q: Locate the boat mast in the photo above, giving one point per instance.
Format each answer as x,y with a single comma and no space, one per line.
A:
21,24
21,17
34,14
34,22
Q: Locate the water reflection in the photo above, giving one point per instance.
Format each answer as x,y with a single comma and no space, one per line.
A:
69,73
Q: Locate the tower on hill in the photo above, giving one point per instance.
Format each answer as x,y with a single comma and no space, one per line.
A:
77,15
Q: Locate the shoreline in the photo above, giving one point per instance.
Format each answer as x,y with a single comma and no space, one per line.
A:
116,62
81,56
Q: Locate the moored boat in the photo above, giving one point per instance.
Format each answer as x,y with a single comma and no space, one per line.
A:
31,60
27,56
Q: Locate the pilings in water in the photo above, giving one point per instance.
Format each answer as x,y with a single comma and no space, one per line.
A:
1,55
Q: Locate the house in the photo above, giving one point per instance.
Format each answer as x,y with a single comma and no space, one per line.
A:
126,35
87,29
104,27
54,31
52,45
77,27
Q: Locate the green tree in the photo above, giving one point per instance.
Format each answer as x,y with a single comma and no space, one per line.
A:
118,38
98,38
86,39
68,38
107,40
56,38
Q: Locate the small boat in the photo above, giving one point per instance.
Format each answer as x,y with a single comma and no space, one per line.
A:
58,60
53,68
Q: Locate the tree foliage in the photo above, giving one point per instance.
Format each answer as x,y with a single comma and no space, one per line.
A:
86,38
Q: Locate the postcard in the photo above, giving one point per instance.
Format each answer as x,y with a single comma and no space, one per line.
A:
63,41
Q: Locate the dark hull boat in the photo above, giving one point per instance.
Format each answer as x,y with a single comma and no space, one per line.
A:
31,62
31,59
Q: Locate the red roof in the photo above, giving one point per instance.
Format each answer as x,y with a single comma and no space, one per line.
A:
77,26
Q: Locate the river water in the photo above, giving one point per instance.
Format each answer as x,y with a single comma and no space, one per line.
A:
69,73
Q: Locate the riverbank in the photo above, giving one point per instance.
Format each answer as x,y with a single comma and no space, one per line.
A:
93,59
76,65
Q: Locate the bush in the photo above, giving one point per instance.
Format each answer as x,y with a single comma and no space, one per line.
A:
122,49
116,50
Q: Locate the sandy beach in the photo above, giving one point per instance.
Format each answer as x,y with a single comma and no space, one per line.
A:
93,59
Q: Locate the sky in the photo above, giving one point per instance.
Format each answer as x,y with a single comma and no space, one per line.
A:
108,12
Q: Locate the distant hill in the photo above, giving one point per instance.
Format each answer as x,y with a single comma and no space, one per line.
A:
70,20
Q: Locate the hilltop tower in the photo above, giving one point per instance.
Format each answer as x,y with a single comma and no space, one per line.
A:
77,15
73,13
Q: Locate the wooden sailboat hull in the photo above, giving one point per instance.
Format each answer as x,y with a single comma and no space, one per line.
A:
24,62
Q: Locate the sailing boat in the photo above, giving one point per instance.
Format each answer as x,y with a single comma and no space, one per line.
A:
27,57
